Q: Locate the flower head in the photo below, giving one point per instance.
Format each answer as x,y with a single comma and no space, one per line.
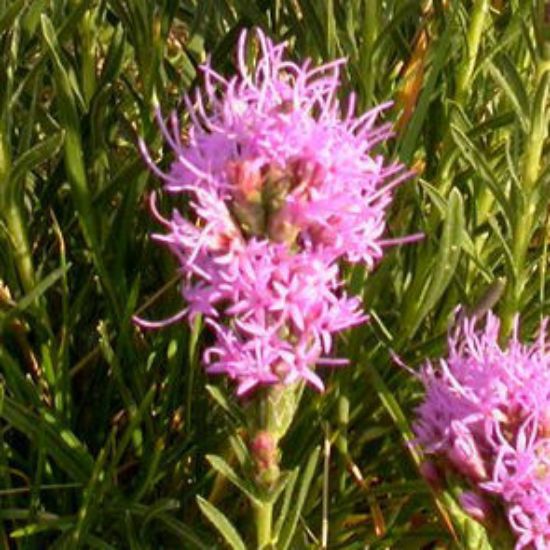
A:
486,415
282,184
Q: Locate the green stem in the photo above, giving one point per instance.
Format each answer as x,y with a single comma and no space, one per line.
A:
11,212
525,222
264,517
264,452
464,76
87,56
480,11
22,253
275,410
370,31
512,298
342,440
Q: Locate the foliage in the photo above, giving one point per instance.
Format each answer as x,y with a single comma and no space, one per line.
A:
105,431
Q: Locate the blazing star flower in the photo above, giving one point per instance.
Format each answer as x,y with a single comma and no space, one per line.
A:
282,184
487,415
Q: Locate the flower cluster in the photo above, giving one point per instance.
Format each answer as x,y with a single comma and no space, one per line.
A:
487,415
282,185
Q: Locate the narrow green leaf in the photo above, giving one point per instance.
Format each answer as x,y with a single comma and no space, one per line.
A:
435,196
505,73
92,541
17,514
60,443
314,24
331,35
471,532
21,387
74,157
113,361
222,524
8,16
433,282
239,449
449,252
194,366
136,419
92,495
250,10
287,532
67,27
184,532
35,156
114,58
508,256
161,506
73,146
218,396
223,468
31,297
482,168
61,524
392,406
405,11
439,59
287,499
538,133
132,539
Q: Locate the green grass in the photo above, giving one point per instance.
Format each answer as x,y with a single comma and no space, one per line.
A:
104,431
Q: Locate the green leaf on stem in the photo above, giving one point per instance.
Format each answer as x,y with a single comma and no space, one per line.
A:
222,524
286,534
223,468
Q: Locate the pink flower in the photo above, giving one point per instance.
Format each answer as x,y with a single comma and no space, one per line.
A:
486,413
282,184
280,309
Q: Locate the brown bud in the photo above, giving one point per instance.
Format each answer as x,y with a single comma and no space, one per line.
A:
246,181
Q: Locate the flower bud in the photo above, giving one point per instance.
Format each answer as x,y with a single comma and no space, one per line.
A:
544,423
475,506
246,186
265,455
430,473
464,456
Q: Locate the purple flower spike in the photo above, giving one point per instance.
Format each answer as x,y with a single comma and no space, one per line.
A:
282,184
486,413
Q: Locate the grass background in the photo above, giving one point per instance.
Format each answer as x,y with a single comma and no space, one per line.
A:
104,430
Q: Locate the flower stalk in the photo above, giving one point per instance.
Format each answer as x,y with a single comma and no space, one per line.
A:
264,520
276,407
283,185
